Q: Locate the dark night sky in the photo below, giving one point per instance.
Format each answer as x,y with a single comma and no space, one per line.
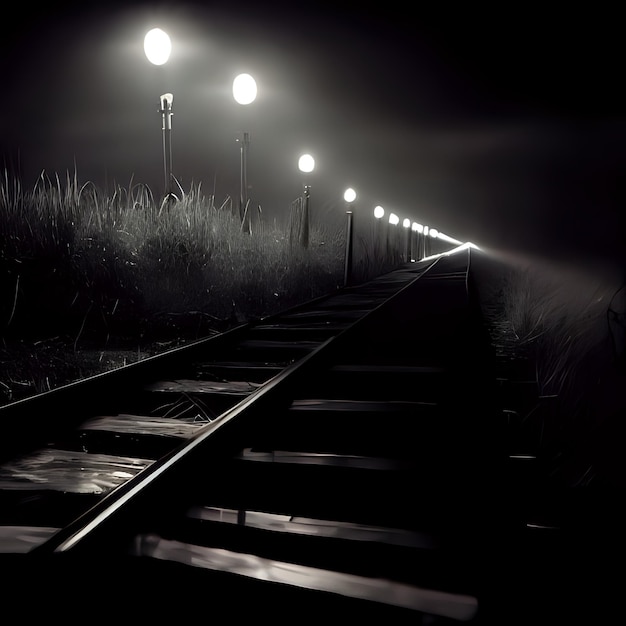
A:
503,126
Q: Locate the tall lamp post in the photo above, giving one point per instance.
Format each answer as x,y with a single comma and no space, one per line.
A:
434,233
349,196
393,221
379,213
158,47
414,241
167,100
407,246
306,164
420,236
244,92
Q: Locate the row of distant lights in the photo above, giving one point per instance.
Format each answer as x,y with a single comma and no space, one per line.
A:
158,47
350,196
379,213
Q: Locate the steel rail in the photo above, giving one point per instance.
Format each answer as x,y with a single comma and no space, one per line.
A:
140,372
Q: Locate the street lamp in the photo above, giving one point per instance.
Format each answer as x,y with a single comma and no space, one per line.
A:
393,221
420,230
244,89
407,227
434,234
244,92
166,112
349,196
306,164
157,46
379,213
414,241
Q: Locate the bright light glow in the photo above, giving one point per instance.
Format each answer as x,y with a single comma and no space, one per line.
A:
379,212
244,89
445,237
349,195
433,233
157,46
425,230
464,246
414,226
306,163
393,219
419,228
406,223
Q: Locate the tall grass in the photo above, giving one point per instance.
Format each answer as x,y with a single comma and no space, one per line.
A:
90,271
568,323
74,259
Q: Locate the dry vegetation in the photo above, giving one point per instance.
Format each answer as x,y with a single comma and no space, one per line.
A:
569,325
91,280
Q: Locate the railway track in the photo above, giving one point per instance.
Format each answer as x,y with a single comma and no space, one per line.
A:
344,458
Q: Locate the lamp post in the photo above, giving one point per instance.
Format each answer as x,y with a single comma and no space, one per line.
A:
420,230
244,92
158,47
414,241
393,221
407,247
434,233
349,196
167,100
379,213
306,164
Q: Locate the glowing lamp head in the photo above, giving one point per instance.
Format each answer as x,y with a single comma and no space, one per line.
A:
157,46
379,212
349,195
406,223
433,233
393,219
306,163
244,89
414,226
